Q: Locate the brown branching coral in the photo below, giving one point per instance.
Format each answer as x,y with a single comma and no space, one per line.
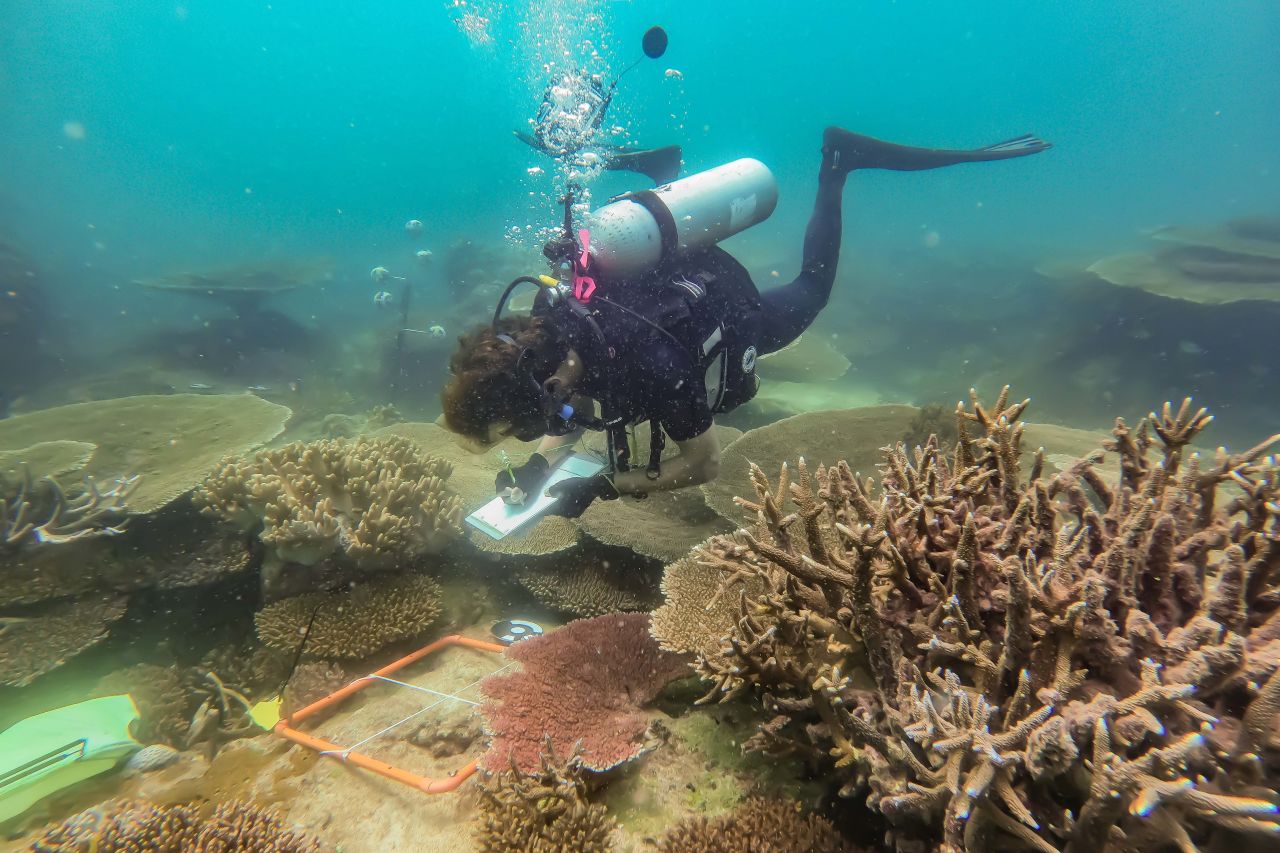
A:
352,623
160,693
310,682
1000,659
544,810
40,512
379,502
128,826
757,825
182,708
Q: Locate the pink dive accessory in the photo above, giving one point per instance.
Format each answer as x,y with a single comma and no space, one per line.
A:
583,284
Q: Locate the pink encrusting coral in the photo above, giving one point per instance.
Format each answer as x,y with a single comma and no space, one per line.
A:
585,684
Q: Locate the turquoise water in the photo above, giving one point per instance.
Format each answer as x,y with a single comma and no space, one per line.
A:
143,137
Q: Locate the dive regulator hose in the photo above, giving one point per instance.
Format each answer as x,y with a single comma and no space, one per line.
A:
506,295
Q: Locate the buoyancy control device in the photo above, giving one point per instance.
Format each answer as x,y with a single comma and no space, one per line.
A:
633,261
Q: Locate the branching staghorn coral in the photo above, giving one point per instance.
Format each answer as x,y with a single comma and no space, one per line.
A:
376,501
39,512
541,810
129,826
999,660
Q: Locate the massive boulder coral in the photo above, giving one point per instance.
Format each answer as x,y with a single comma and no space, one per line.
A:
998,659
379,502
585,684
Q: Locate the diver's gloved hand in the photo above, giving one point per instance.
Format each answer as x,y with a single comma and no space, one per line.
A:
516,484
575,494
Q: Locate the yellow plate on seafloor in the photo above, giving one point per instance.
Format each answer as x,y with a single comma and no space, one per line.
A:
266,713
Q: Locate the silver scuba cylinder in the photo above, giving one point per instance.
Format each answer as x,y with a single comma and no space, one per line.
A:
639,231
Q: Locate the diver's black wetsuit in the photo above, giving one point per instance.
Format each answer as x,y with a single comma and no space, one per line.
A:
641,374
790,309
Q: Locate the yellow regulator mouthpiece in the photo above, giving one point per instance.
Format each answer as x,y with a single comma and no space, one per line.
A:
548,281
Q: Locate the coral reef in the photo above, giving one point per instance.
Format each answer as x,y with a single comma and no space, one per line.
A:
128,826
584,684
1238,261
245,286
338,425
472,480
378,502
352,623
192,556
169,441
541,810
997,659
151,758
809,358
935,420
224,714
41,513
182,708
46,638
446,734
664,526
123,826
160,693
45,459
311,681
757,825
249,667
585,590
852,434
700,607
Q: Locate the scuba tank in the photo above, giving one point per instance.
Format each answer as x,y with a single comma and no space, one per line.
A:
640,231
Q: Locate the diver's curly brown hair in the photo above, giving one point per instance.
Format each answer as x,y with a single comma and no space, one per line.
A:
486,387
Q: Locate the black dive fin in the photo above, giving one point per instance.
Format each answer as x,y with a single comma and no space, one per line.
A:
527,139
844,151
662,165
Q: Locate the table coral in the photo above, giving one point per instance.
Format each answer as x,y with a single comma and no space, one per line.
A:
584,684
169,441
584,590
352,623
47,638
997,658
377,501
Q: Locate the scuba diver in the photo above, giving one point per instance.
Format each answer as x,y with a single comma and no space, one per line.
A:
651,320
572,111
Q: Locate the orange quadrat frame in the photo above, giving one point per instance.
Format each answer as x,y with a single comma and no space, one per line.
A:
285,728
